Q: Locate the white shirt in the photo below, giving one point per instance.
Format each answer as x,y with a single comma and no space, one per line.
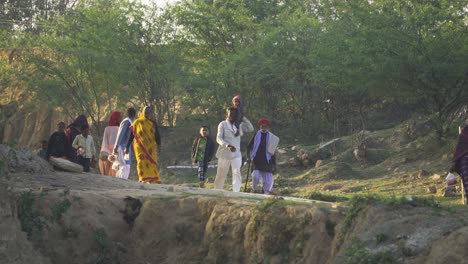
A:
226,136
87,143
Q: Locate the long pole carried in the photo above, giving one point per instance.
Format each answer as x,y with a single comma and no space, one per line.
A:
247,177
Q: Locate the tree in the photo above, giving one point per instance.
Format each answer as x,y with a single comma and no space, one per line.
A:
81,64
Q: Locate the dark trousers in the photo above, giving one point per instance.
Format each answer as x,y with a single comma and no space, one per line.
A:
202,168
85,162
464,174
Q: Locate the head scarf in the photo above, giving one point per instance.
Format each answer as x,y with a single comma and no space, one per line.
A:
145,148
263,121
238,98
462,145
142,113
79,121
114,119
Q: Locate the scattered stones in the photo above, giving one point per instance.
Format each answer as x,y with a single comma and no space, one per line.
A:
281,151
448,191
423,173
405,160
22,160
401,236
436,177
294,162
431,189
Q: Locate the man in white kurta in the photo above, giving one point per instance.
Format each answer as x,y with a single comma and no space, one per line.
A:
120,143
229,154
86,150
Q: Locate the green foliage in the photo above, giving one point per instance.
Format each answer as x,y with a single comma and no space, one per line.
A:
359,202
357,253
59,209
324,197
318,69
267,204
104,254
29,216
380,238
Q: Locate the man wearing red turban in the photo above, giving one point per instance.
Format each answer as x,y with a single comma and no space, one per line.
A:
261,152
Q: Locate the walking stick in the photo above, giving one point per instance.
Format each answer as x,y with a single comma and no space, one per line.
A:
247,177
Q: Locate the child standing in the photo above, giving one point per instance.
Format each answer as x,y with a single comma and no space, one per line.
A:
202,153
43,151
84,145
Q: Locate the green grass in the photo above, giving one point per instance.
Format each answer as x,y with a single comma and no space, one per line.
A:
59,209
358,202
30,217
391,169
104,254
357,253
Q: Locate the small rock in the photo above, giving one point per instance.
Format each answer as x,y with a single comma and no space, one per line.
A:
294,161
281,151
121,247
448,191
436,177
431,189
401,237
423,173
318,163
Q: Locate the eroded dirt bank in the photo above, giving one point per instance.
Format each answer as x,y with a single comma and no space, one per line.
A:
84,218
55,217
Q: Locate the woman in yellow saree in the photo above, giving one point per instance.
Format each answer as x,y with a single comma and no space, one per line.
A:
144,131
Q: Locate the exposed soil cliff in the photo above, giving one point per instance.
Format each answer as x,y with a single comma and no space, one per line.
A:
85,218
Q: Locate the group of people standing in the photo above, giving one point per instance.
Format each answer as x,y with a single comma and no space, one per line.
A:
260,151
121,139
140,137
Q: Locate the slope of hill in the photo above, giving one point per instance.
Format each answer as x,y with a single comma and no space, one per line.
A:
54,217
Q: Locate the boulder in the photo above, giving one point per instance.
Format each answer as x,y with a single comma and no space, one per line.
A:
66,165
